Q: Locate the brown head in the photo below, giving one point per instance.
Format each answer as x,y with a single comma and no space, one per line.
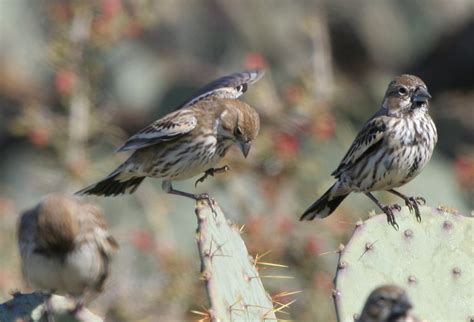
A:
406,94
386,303
239,123
57,223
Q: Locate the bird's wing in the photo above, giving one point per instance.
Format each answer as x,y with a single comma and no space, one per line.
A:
167,128
177,124
26,231
93,223
229,87
368,139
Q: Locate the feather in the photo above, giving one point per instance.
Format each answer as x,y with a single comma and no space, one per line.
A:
228,87
168,128
371,134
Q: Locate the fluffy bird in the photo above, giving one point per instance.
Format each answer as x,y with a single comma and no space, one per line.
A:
189,141
65,247
388,303
391,149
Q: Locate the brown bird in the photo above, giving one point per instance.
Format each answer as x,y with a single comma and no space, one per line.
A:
65,247
388,303
189,141
391,149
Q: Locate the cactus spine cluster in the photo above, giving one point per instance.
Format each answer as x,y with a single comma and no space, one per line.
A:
233,285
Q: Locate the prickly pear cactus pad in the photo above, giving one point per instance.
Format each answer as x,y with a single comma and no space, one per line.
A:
235,290
432,260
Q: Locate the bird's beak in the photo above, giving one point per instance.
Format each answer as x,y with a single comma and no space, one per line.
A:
421,95
245,147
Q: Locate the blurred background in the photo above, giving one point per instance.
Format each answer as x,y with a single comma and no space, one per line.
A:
78,77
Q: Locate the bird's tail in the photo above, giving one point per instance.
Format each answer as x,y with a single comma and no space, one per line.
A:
325,205
113,185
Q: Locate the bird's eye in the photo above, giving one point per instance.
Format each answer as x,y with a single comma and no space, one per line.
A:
402,91
380,300
241,88
238,131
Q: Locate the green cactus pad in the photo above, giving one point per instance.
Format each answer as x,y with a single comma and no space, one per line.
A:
234,288
433,260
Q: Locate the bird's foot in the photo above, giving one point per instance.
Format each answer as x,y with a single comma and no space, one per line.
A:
211,172
420,201
211,202
413,203
388,210
80,304
48,311
395,206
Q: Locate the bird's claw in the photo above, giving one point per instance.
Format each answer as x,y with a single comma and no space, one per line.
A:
211,172
420,200
388,210
79,306
211,202
415,201
395,206
412,204
201,179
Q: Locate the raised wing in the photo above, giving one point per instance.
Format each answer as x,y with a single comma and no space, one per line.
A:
368,139
230,87
182,121
167,128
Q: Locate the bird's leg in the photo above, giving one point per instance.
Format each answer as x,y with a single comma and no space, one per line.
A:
411,202
80,302
387,209
211,172
168,188
48,311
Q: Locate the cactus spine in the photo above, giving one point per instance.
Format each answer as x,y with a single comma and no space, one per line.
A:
233,285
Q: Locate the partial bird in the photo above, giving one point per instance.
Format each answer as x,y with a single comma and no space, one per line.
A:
65,247
188,141
388,303
392,148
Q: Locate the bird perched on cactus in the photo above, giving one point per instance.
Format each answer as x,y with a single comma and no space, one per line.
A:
388,303
391,149
65,247
189,141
